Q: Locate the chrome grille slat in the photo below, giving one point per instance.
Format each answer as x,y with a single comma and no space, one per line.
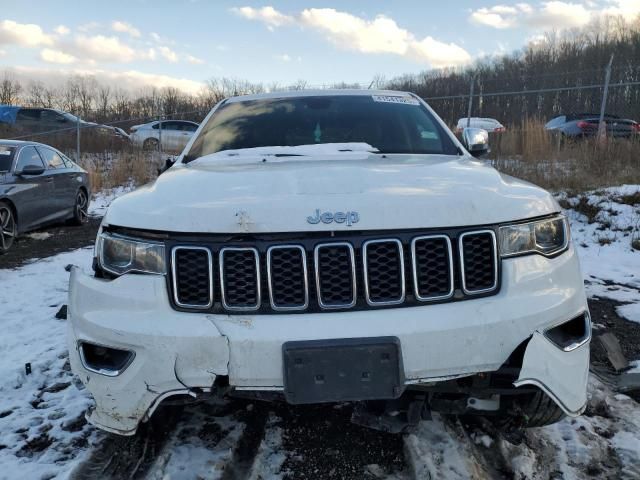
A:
385,286
287,280
335,275
192,281
478,275
240,278
431,257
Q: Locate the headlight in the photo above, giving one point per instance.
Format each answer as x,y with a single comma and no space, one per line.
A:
120,255
547,237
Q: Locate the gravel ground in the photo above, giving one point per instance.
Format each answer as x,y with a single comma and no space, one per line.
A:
50,241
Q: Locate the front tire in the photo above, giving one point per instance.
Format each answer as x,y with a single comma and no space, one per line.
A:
528,411
8,227
81,209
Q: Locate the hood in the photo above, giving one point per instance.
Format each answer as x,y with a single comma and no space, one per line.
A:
253,194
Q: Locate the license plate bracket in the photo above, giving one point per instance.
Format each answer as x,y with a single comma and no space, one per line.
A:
345,369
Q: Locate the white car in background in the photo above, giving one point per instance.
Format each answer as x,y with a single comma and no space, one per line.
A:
491,125
175,134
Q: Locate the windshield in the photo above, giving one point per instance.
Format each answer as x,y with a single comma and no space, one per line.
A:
6,157
68,116
390,124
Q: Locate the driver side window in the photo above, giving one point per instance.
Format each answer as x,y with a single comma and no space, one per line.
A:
28,156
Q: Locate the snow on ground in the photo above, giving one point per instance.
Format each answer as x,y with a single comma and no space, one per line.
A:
604,225
101,200
43,431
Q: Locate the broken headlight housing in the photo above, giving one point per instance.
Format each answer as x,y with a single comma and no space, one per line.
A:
547,237
118,255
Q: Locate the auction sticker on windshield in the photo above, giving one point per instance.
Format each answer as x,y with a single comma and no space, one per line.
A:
395,99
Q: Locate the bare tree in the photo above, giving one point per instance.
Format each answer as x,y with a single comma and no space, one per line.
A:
10,91
104,101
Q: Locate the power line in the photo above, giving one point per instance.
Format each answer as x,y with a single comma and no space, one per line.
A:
539,90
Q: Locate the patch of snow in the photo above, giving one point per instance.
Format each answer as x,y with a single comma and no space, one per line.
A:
43,431
610,266
101,200
200,447
349,149
438,449
268,462
485,440
635,367
39,235
630,311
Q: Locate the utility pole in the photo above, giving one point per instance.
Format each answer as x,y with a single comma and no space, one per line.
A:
160,132
602,127
473,82
78,139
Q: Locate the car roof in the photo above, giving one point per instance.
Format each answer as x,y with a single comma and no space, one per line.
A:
21,143
315,93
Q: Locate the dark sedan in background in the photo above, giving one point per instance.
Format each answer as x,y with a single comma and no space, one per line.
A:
586,125
38,186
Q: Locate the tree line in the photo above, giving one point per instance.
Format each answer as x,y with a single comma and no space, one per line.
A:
574,58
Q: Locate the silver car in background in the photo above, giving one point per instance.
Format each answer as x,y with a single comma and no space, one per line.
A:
175,134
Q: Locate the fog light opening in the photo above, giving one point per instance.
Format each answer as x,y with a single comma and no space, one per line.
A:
572,334
104,360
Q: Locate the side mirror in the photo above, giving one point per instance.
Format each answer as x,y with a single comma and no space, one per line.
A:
168,163
476,141
31,170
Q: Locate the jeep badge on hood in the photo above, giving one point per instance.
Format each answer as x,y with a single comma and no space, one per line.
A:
339,217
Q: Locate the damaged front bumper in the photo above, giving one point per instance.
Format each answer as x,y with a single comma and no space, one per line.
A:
174,355
183,353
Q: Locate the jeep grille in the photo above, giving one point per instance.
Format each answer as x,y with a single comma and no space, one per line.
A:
295,273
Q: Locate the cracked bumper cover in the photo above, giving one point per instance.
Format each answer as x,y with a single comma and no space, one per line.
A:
178,351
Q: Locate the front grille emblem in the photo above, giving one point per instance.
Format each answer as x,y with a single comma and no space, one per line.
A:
348,218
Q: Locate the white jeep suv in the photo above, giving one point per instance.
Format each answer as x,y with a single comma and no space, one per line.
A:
333,246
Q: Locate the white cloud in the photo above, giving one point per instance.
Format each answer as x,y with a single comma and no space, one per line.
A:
50,55
380,35
149,54
627,8
267,15
124,27
2,52
102,48
498,16
283,58
62,30
130,80
87,27
438,54
168,54
160,39
547,15
24,34
194,60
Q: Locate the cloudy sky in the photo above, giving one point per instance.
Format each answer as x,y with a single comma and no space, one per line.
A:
184,42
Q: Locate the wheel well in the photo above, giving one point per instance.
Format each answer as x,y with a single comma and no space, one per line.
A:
13,209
